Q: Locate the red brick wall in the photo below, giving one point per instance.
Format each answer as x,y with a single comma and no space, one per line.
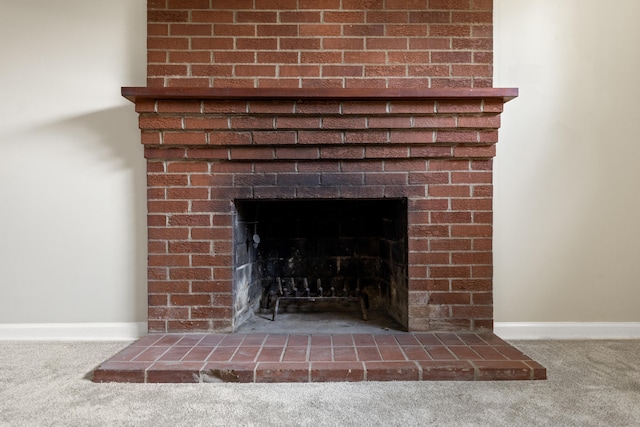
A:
320,43
202,154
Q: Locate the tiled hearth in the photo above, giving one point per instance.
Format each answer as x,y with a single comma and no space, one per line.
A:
205,358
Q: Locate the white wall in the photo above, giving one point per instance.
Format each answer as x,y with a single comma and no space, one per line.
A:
567,181
72,210
72,180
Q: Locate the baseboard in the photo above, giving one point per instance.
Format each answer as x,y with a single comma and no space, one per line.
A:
567,330
126,331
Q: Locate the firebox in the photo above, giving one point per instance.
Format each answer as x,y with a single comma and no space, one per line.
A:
321,255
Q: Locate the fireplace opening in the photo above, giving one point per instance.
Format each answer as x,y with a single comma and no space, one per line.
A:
321,256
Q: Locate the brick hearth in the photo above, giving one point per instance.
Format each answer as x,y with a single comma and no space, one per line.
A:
204,358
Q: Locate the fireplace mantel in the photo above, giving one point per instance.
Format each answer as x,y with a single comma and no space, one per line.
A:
188,93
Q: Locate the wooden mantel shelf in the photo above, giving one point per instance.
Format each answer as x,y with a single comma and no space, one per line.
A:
134,94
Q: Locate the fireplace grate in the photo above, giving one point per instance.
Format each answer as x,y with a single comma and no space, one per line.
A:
293,294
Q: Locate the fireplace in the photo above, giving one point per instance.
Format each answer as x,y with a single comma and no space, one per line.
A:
226,166
328,155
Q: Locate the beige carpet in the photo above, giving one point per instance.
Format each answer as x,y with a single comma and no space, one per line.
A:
591,383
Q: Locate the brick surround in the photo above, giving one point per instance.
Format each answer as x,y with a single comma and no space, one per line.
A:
207,147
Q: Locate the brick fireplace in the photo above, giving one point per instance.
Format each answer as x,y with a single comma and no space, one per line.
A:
214,153
327,148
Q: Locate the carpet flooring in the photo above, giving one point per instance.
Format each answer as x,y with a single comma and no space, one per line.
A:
590,383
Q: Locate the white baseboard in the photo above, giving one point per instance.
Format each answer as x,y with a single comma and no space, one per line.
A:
129,331
126,331
567,330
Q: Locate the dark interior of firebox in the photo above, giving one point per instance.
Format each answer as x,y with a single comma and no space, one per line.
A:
329,256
